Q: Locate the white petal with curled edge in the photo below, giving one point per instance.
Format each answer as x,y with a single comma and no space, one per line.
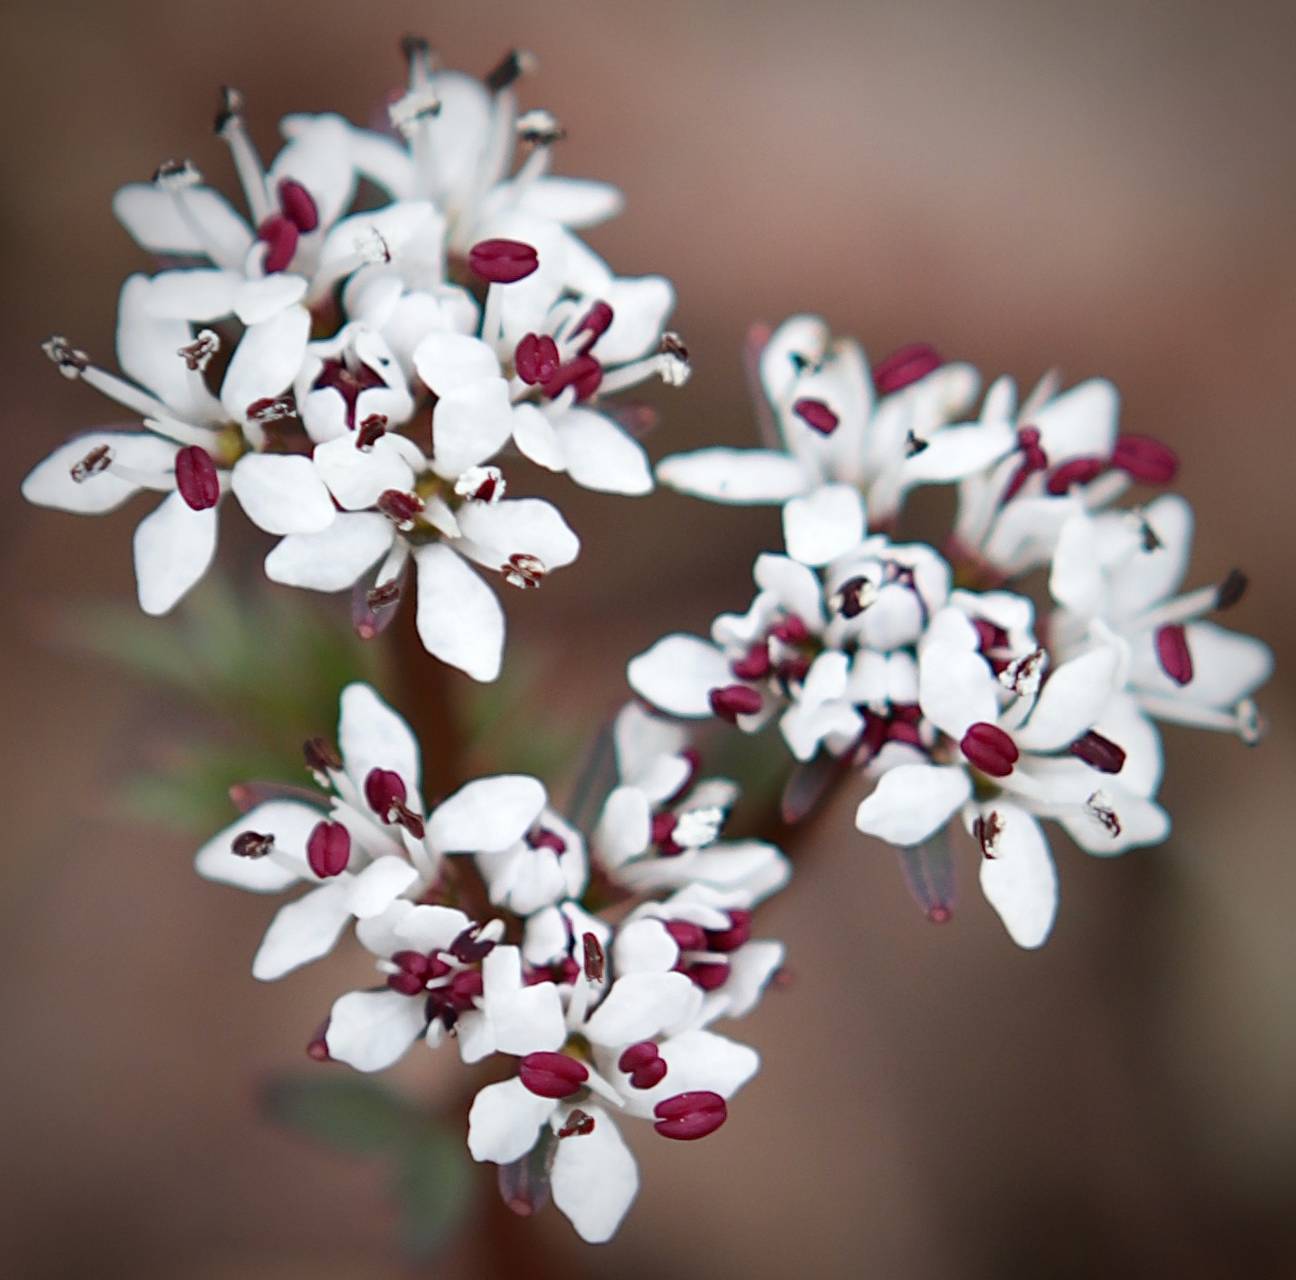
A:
371,1030
678,673
594,1178
198,294
372,736
644,946
1071,700
430,928
624,826
448,361
1020,881
956,689
911,802
258,300
173,548
795,585
290,824
639,309
282,493
358,477
147,347
334,558
153,217
266,360
303,931
1080,423
600,456
504,1120
536,438
459,619
642,1005
959,451
50,483
1075,576
575,202
823,525
527,526
486,816
376,887
737,476
750,969
751,867
470,425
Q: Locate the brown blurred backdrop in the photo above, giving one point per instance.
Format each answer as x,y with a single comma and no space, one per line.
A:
1110,187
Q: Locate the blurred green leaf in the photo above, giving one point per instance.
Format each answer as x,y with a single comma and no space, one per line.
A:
348,1113
434,1188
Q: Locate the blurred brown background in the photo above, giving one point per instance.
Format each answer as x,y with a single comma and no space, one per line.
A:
1107,186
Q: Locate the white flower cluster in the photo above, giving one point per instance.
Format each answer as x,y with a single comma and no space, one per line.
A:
920,670
600,968
355,378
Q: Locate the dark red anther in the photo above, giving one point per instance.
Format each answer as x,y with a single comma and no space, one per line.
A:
584,373
252,844
502,261
321,757
730,939
280,236
402,508
197,478
791,630
595,965
1033,459
904,367
816,415
552,1075
644,1065
406,982
414,970
692,1115
577,1125
794,670
384,791
470,947
1077,471
708,974
536,358
754,664
661,830
328,849
270,409
733,701
688,936
1232,589
854,596
989,749
298,205
98,459
595,323
903,731
1173,653
370,431
349,383
1146,460
543,838
1098,752
987,829
991,638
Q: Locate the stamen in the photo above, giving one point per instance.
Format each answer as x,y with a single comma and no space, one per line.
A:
197,354
471,946
697,828
754,664
280,235
197,479
1173,653
709,975
384,791
914,446
539,128
481,484
384,595
1033,459
904,367
511,68
736,935
816,415
552,1075
1146,460
231,126
543,838
579,1124
370,431
735,700
1099,808
1025,674
321,759
1098,752
98,459
328,849
536,359
523,571
659,834
252,844
412,109
1232,589
584,374
1077,471
687,935
644,1065
298,205
502,261
853,597
595,964
175,176
987,829
688,1116
402,509
69,361
988,748
595,322
270,409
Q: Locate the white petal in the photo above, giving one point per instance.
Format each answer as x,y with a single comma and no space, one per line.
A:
372,736
956,689
600,456
318,156
266,360
486,816
358,477
504,1121
334,558
259,300
794,585
536,438
678,673
470,425
640,1006
528,526
738,476
594,1178
459,618
370,1030
575,202
624,826
529,1020
641,741
1020,881
289,823
644,946
1071,700
1079,423
449,361
173,548
50,483
639,309
148,351
154,218
282,493
375,888
428,928
1152,576
959,451
703,1060
1227,666
196,294
750,969
823,525
303,931
912,801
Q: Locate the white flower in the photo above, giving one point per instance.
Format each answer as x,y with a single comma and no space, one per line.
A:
544,867
847,440
192,446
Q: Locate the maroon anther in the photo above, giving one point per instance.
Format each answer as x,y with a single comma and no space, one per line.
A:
197,478
252,844
1173,653
502,261
1146,460
1033,459
816,415
708,974
578,1124
904,367
384,791
692,1115
98,459
370,431
463,989
688,936
734,700
349,383
794,670
328,849
986,830
644,1065
280,235
989,749
791,630
1232,589
298,205
660,832
730,939
595,323
1099,752
270,409
584,373
855,595
1077,471
754,664
552,1075
543,838
320,755
401,508
414,971
595,961
470,947
536,358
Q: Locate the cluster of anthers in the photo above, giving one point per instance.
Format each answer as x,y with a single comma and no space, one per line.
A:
356,378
